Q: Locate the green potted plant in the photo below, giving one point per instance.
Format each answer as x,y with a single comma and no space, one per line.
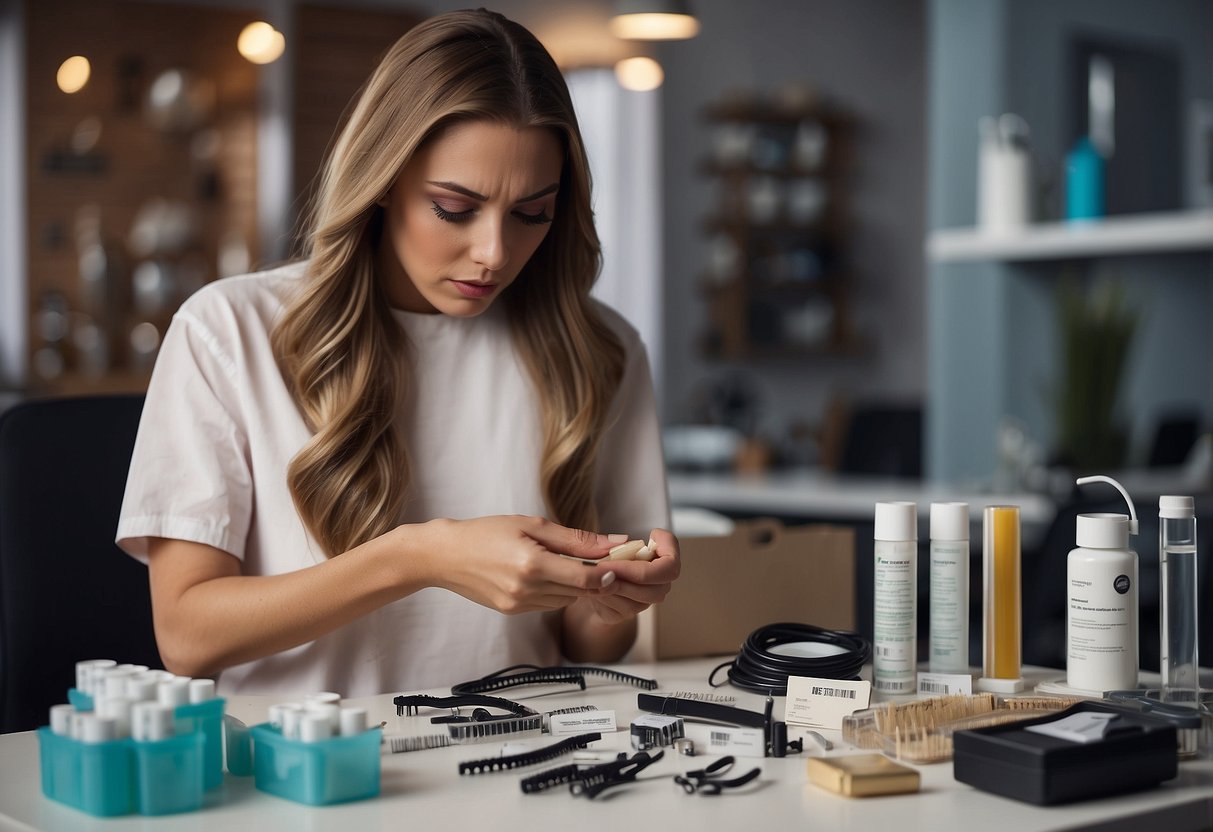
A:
1096,335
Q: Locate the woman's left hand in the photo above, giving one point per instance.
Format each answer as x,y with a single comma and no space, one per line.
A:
638,584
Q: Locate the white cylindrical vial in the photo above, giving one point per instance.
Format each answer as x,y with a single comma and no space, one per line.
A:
118,710
353,721
87,672
328,710
151,722
174,692
1179,654
61,719
201,690
94,728
141,687
894,644
315,727
292,716
948,637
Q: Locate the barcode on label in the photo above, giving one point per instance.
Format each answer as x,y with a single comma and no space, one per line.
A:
719,738
840,693
934,687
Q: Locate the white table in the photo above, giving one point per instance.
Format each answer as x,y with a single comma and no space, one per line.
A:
423,791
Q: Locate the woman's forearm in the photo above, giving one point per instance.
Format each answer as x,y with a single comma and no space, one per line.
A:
587,638
209,617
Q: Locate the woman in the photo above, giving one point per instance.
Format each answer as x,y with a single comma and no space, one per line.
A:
343,467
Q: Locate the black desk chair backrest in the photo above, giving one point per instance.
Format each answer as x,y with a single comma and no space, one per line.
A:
67,592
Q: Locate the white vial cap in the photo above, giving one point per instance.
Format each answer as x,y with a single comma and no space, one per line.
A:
292,715
1176,508
896,521
1102,531
114,682
315,727
201,690
353,721
949,521
174,692
326,697
86,673
61,720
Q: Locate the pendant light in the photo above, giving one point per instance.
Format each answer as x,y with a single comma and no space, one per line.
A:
653,20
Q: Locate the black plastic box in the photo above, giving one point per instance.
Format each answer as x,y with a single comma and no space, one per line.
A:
1036,768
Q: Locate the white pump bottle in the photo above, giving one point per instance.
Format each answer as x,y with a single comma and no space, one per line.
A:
1101,600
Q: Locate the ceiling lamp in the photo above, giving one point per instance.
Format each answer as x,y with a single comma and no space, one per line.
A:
73,74
639,74
260,43
653,20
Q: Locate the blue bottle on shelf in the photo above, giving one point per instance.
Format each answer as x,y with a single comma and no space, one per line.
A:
1084,181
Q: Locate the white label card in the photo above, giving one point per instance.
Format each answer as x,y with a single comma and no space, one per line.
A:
822,703
587,722
944,684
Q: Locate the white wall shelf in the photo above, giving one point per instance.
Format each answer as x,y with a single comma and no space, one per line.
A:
1118,235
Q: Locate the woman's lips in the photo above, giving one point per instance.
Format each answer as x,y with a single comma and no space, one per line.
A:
474,290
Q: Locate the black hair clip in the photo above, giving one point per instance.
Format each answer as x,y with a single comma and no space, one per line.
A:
560,775
775,733
408,704
481,724
596,780
530,674
528,757
707,780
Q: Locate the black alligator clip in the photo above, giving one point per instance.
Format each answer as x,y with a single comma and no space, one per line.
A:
708,780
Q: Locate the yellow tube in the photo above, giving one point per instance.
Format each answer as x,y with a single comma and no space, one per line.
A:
1002,626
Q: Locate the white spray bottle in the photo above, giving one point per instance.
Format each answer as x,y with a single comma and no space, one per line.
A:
1101,596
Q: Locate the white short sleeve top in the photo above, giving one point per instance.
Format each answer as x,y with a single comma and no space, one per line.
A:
219,429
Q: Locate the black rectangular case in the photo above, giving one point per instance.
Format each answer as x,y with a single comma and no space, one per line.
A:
1045,770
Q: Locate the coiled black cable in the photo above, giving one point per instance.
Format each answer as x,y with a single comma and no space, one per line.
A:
758,670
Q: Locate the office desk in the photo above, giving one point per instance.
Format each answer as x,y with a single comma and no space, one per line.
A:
423,791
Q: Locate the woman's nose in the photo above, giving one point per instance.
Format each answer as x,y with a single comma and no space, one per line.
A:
489,247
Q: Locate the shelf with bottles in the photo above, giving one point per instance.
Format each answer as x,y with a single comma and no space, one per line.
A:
775,274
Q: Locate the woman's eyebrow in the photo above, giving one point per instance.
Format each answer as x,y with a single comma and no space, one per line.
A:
468,192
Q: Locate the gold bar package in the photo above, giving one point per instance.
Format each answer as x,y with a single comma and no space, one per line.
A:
862,775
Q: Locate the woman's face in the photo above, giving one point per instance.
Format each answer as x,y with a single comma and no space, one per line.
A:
466,214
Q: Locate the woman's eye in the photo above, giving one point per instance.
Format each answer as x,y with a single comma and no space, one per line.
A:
447,215
541,218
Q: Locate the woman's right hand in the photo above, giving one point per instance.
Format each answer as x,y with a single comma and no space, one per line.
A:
511,564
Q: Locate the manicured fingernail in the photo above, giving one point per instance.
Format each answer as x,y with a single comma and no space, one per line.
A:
608,579
614,539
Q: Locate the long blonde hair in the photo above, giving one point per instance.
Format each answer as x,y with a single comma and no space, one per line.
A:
342,353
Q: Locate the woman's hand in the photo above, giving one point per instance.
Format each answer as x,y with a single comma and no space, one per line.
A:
638,584
601,626
510,563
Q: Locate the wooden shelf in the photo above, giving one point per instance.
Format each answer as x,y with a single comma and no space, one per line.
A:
1118,235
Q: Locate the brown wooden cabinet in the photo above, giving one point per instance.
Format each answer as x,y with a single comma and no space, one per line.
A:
776,272
142,186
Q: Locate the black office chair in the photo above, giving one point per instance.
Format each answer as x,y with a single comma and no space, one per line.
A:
67,593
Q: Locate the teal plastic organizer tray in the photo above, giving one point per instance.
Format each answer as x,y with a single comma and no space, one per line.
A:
123,776
334,770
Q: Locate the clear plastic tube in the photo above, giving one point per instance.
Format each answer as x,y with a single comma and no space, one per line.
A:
1179,651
